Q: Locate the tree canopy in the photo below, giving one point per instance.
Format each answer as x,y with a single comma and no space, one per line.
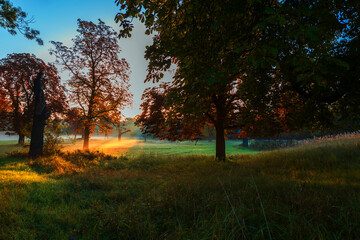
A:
99,81
17,72
15,20
262,66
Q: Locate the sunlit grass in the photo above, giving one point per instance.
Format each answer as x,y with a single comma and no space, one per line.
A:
24,177
308,192
108,146
17,171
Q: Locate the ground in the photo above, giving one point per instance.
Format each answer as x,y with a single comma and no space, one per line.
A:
308,192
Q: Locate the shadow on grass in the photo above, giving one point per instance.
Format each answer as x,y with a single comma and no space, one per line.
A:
13,159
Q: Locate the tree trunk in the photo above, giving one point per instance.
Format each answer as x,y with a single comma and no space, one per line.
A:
86,138
119,136
37,137
220,142
119,132
40,116
245,142
220,128
21,140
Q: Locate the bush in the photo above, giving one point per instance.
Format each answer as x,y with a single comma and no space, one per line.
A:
53,131
51,145
69,163
86,158
55,164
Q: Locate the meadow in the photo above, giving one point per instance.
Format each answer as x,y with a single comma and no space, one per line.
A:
163,190
133,147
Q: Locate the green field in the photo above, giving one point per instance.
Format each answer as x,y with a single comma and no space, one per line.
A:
9,146
152,147
309,192
186,148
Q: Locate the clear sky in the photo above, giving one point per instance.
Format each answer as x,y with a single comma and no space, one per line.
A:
57,21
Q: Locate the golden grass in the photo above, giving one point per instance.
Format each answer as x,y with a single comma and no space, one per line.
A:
343,137
21,177
107,146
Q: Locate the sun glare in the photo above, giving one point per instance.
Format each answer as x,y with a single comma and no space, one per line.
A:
108,146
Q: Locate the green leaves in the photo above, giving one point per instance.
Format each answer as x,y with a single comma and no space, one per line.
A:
14,20
282,56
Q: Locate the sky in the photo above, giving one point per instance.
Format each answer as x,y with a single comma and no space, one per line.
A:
57,21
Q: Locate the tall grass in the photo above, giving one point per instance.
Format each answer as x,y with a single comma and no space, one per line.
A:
308,192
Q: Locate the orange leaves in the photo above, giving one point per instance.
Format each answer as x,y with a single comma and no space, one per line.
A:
17,72
100,78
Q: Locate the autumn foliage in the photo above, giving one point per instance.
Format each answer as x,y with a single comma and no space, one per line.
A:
99,78
17,72
161,118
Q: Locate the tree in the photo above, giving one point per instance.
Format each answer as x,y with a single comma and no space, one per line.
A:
14,20
164,120
74,121
17,72
211,43
313,42
100,79
235,59
121,129
41,114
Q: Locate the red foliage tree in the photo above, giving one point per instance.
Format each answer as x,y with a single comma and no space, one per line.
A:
99,83
17,72
163,119
73,119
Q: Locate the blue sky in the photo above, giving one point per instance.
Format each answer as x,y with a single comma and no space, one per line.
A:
57,21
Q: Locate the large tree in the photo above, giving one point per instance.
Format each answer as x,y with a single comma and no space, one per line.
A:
100,78
17,74
15,20
211,43
234,61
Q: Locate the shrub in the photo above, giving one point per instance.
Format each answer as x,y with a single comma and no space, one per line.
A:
54,164
69,163
51,145
86,158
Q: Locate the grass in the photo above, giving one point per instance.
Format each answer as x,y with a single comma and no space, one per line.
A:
135,147
155,147
9,146
308,192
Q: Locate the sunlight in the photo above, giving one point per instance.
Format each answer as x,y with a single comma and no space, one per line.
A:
108,146
13,176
